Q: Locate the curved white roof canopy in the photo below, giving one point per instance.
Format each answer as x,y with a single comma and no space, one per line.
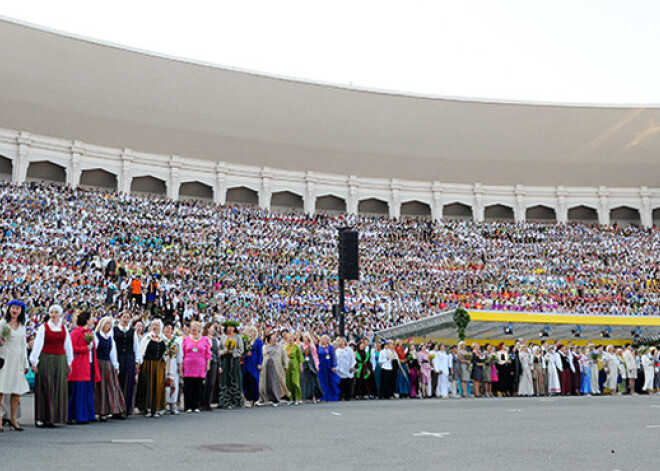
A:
74,88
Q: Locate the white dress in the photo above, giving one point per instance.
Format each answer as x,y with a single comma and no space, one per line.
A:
14,352
647,364
553,376
526,385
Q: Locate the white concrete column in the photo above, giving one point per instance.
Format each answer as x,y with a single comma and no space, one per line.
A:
519,206
395,199
74,172
310,193
352,202
125,179
478,207
174,182
20,167
603,206
220,188
562,206
436,204
645,211
265,192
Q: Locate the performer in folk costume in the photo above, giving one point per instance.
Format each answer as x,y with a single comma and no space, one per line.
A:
51,358
231,349
127,346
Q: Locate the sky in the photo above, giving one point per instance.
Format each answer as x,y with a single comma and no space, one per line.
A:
559,51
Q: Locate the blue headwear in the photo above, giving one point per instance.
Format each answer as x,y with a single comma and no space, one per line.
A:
15,302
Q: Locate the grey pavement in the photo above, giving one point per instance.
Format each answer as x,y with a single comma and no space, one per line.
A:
599,433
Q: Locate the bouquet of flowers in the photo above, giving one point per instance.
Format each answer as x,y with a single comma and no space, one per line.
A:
230,345
4,335
535,359
247,345
467,356
89,338
171,349
432,356
493,359
594,357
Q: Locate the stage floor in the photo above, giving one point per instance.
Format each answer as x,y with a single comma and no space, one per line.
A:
600,433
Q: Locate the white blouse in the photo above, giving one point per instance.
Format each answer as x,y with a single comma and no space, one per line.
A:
38,345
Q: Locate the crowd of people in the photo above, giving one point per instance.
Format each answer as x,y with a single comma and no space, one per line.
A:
223,300
90,369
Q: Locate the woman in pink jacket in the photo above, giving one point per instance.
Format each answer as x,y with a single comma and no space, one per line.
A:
196,362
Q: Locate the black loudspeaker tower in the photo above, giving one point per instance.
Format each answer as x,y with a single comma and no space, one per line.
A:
349,258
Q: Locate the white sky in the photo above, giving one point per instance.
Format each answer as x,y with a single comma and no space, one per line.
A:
578,51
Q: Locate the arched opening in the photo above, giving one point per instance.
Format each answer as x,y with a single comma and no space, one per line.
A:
656,217
242,196
540,213
498,211
98,178
625,216
373,206
456,211
195,191
5,168
583,214
46,171
415,209
286,201
331,204
148,186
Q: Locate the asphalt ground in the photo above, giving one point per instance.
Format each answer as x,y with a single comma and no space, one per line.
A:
585,433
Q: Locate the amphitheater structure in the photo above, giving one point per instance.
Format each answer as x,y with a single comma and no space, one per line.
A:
88,113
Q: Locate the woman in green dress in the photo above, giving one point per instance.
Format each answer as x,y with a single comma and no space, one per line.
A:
231,349
295,356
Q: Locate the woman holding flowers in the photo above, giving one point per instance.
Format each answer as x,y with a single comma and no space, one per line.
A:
252,365
150,395
478,361
84,371
231,349
14,354
51,359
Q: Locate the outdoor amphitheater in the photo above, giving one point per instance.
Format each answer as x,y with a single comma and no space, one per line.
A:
191,195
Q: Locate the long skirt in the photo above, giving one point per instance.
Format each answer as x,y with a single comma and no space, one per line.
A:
585,381
388,383
50,390
230,382
413,382
251,387
593,373
127,381
402,381
566,380
526,384
151,386
329,381
108,397
81,400
309,382
209,385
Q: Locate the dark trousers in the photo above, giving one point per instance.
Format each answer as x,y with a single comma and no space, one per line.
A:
345,389
193,393
388,378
